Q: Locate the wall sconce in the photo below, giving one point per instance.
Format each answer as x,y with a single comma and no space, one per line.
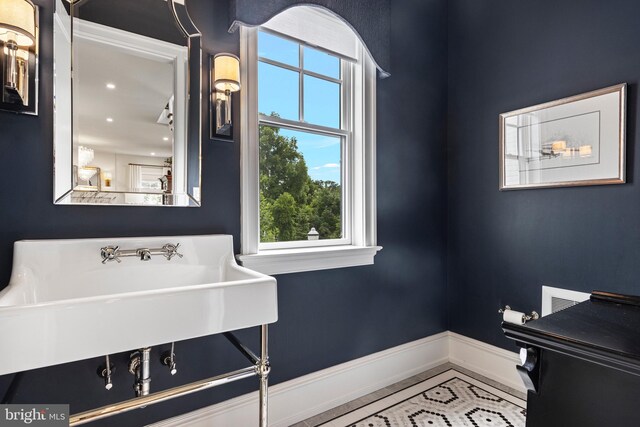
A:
107,177
225,79
19,39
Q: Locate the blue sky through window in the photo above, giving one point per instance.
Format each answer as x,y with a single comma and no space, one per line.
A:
321,102
278,49
321,63
321,153
278,92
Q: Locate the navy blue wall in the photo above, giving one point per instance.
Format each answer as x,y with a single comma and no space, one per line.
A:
325,317
505,55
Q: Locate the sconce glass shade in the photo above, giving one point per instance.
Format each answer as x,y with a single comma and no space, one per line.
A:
226,72
18,22
107,177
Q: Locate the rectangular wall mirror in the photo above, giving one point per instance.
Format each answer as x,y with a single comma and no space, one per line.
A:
127,103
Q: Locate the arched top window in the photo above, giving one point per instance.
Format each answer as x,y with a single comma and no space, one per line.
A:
308,144
370,24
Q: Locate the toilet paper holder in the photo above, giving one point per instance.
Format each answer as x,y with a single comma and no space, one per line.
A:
533,316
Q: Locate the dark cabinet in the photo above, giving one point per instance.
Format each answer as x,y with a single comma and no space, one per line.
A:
582,364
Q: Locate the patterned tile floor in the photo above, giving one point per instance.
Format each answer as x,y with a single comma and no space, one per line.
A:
450,399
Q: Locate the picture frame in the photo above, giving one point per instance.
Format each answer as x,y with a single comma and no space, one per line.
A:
574,141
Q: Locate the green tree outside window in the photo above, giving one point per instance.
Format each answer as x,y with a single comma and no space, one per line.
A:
291,203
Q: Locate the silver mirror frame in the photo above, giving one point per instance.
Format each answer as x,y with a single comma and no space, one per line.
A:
193,118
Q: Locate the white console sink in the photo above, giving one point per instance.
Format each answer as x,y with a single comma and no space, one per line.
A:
63,304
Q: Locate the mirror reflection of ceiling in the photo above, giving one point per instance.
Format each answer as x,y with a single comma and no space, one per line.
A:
118,99
151,18
142,86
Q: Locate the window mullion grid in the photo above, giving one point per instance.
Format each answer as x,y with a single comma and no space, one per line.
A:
344,132
346,185
301,82
296,69
304,127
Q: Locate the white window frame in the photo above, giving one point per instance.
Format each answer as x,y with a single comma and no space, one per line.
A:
359,245
343,132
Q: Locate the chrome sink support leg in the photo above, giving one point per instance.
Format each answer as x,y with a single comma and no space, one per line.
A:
263,368
139,366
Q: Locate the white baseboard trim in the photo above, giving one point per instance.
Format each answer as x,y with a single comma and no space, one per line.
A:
309,395
492,362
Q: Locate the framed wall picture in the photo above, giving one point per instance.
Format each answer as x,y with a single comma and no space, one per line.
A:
572,141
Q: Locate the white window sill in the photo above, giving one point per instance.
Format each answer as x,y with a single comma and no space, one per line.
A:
282,261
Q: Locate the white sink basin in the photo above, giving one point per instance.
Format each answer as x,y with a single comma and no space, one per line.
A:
63,304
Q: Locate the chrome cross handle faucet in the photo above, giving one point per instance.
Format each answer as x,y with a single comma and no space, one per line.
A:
114,253
110,253
171,250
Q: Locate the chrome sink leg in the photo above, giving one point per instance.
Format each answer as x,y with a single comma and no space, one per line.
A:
262,369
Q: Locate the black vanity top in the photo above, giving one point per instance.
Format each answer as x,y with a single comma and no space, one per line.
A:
604,330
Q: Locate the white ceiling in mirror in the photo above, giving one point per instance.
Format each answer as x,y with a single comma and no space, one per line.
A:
118,106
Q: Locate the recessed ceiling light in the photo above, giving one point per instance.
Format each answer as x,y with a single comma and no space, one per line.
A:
166,138
109,119
111,86
153,154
